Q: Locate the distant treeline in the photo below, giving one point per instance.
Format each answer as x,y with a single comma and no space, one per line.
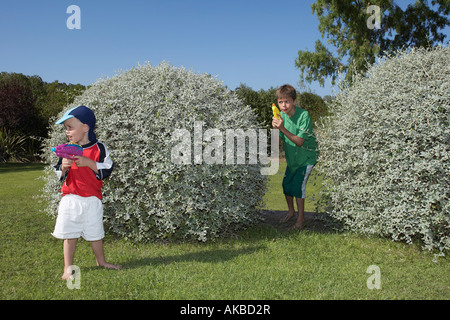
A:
28,104
261,101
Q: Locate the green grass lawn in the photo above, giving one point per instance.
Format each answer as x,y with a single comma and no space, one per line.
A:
259,263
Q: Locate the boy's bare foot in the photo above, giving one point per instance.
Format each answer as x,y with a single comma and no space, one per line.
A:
107,265
67,276
297,226
288,217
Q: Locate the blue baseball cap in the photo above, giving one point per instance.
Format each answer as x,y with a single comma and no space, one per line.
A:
85,115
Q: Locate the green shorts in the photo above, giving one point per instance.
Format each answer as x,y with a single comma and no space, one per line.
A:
294,184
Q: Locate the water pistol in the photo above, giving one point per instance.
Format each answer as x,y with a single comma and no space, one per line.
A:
276,112
68,150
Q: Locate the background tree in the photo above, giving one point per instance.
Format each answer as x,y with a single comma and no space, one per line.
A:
56,96
344,24
27,106
314,104
27,103
261,101
17,112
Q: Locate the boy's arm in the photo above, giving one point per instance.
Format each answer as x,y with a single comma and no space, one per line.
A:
82,161
105,164
295,139
305,129
103,168
278,124
61,169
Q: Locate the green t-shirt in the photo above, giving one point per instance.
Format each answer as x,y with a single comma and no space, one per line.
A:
300,124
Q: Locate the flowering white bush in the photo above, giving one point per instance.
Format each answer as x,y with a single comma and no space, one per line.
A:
385,150
148,196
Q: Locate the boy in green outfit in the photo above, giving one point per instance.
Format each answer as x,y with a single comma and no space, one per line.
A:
300,148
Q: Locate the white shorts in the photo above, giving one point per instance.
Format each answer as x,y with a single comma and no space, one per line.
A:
79,217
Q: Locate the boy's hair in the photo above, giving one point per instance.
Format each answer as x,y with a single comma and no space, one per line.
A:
286,91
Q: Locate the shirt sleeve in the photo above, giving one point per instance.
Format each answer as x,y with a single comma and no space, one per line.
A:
305,126
105,164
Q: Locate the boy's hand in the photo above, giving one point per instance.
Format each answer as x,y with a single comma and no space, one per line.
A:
82,161
66,164
277,124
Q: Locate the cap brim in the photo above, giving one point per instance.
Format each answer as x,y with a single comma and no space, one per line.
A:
66,116
61,121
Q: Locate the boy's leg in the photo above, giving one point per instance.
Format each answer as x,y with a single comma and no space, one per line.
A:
302,180
97,247
291,210
301,214
69,246
287,190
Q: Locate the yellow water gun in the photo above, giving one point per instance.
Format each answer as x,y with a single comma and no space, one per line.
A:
276,112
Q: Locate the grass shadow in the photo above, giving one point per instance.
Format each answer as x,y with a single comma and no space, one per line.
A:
207,256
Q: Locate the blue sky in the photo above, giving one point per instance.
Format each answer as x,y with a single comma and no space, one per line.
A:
238,41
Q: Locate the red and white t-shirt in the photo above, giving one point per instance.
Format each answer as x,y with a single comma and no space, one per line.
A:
84,181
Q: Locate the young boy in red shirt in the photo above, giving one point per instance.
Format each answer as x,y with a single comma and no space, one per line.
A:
80,212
